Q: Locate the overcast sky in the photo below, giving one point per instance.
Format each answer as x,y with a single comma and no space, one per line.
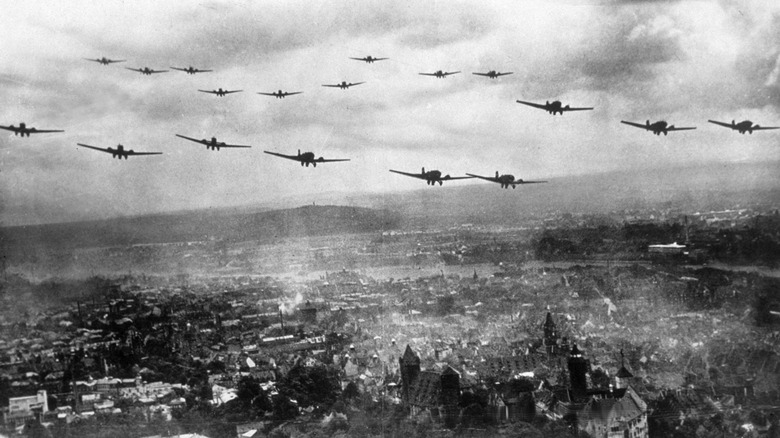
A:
684,62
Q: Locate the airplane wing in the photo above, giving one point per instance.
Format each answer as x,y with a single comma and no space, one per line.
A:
11,128
334,86
135,69
530,182
486,178
428,74
451,73
481,74
158,71
208,91
268,94
764,128
292,93
95,148
356,83
233,91
43,131
727,125
380,59
638,125
565,108
456,177
289,157
413,175
535,105
110,61
142,153
332,160
359,59
679,129
193,71
192,139
504,74
233,146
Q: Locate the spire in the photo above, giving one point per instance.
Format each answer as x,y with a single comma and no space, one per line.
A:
623,373
409,356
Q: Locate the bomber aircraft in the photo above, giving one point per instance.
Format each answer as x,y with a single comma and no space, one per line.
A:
492,74
212,144
146,70
119,152
431,177
505,180
306,158
23,130
105,61
220,92
369,59
191,70
744,126
658,127
281,94
441,74
344,85
554,107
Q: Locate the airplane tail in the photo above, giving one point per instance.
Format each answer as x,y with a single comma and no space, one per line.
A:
423,171
299,152
647,123
733,122
496,174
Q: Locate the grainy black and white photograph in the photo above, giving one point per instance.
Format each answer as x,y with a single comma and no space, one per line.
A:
371,218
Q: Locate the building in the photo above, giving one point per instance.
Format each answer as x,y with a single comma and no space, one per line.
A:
437,393
612,412
22,409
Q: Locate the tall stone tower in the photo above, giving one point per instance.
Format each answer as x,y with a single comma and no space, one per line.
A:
623,376
550,334
578,370
450,396
410,370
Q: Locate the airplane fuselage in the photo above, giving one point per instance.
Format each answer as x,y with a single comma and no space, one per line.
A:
307,158
23,130
432,177
658,127
119,152
506,181
554,107
213,144
743,126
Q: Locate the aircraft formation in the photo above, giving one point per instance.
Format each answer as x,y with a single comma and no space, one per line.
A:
305,159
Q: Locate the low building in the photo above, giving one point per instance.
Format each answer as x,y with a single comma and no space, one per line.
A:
22,409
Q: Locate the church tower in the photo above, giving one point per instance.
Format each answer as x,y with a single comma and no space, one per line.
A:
623,376
550,334
578,369
410,370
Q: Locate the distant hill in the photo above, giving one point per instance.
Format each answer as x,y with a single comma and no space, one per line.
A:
685,188
688,189
199,226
